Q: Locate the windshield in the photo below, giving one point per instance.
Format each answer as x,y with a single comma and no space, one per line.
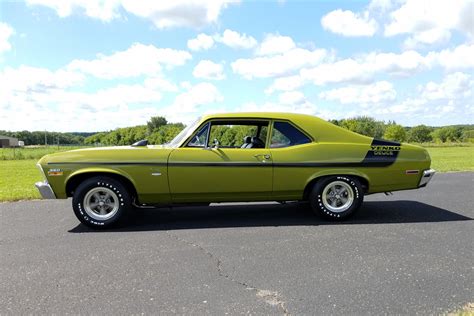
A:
184,134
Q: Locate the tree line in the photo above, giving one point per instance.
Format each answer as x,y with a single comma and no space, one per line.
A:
418,134
158,131
49,138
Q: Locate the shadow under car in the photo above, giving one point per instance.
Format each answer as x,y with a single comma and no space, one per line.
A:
262,215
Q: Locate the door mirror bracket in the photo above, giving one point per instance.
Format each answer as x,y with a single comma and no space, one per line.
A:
216,143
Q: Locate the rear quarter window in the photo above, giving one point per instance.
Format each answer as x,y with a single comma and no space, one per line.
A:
285,134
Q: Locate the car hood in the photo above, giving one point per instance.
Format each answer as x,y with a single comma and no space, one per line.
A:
104,155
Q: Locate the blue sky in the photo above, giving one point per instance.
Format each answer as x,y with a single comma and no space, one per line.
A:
82,65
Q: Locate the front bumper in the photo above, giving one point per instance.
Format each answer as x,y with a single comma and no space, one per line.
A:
426,177
45,190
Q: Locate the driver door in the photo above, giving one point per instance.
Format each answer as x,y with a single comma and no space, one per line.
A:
218,164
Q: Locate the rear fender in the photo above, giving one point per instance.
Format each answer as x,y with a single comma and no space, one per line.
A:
324,173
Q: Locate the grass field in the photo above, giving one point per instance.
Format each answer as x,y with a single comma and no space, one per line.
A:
17,177
445,159
36,152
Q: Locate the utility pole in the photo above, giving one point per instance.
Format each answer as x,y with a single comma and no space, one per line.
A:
45,139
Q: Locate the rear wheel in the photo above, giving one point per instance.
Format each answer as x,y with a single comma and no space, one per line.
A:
100,202
336,197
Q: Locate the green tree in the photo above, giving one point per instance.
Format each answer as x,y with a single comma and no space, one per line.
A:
155,123
449,133
395,132
364,125
420,134
165,133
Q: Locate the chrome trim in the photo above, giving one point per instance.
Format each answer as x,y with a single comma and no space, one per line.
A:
41,170
101,203
336,199
45,190
426,177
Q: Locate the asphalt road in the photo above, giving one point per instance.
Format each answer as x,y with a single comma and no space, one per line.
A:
403,254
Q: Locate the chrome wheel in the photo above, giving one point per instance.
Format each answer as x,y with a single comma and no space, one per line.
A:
338,196
101,203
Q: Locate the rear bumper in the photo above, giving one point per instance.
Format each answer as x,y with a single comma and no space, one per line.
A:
45,190
426,177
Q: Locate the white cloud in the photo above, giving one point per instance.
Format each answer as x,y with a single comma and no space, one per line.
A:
163,14
111,99
285,84
62,118
275,44
291,97
229,38
201,42
161,84
197,95
376,93
33,79
448,100
137,60
346,70
453,59
40,98
431,22
105,10
363,69
6,31
196,100
428,37
45,100
380,5
207,69
278,65
234,39
348,23
454,86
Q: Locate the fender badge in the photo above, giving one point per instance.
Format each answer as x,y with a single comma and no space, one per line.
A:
55,172
412,171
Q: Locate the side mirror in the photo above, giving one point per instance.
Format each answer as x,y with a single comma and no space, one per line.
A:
140,143
216,143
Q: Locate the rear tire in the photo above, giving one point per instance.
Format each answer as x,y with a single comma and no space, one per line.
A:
101,202
336,197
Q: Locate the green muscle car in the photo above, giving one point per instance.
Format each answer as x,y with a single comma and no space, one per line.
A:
236,157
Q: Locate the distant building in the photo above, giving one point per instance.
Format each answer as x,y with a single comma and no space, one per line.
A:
6,142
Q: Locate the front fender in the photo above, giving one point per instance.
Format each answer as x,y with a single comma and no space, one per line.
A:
96,170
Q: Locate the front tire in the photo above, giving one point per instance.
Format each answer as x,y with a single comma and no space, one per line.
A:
336,197
100,202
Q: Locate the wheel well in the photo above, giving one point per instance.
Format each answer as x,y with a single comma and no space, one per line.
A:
74,182
309,186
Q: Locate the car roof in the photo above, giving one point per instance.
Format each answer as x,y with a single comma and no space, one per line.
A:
318,128
262,115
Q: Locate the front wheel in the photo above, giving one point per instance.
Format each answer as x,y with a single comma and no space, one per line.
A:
336,197
99,202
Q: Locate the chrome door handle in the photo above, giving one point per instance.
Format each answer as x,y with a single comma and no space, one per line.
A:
266,156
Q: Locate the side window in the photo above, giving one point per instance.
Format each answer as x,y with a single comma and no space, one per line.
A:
199,140
284,135
239,134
